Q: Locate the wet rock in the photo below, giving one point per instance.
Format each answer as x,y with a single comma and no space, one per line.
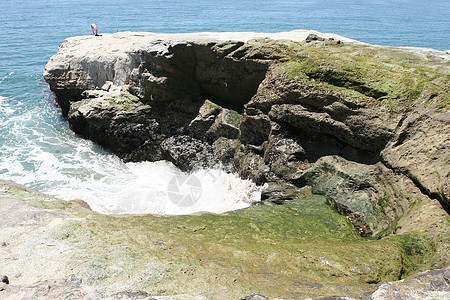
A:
123,126
226,152
285,158
280,192
214,122
313,37
226,125
188,153
372,196
207,114
359,221
252,166
434,284
255,130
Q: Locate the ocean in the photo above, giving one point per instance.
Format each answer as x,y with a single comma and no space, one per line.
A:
38,149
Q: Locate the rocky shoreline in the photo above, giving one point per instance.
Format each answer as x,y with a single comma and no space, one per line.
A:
59,249
352,141
273,111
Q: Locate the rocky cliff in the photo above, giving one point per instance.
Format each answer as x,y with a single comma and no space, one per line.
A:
345,135
367,126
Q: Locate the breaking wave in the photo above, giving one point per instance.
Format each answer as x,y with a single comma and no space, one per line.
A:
40,151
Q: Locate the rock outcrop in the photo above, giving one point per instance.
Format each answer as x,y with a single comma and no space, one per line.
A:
432,284
333,116
54,249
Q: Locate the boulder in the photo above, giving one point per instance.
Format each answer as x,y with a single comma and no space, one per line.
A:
373,197
187,153
418,152
285,158
313,37
281,192
432,284
214,121
255,130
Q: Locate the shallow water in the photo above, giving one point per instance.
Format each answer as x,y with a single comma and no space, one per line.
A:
38,149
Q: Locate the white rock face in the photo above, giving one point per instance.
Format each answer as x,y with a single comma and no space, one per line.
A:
91,61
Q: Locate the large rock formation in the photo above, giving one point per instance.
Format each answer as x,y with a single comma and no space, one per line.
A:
337,117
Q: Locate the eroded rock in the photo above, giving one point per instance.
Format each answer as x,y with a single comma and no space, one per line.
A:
434,284
418,151
372,196
188,153
278,112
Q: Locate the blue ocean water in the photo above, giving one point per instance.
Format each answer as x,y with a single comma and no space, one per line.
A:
38,149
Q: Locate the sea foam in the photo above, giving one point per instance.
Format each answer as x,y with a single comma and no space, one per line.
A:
40,151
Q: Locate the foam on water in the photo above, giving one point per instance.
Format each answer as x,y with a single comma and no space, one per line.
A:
47,156
6,76
145,187
5,110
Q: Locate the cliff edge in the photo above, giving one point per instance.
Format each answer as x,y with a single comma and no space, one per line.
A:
367,126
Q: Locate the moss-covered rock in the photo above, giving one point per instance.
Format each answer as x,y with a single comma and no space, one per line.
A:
364,125
369,194
301,244
393,76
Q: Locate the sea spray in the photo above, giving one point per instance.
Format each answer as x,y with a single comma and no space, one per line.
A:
147,187
40,151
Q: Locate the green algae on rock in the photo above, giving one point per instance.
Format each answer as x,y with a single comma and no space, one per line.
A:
366,127
389,75
304,246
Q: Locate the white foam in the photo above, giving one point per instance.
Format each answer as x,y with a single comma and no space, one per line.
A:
6,76
5,109
37,152
145,187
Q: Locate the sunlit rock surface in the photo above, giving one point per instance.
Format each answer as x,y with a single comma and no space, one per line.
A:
352,139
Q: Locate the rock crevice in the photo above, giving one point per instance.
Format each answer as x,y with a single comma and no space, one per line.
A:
263,110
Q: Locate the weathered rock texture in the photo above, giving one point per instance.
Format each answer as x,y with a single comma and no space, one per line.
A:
67,288
434,284
54,249
336,117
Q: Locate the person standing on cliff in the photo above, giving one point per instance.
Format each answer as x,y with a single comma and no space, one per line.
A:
94,29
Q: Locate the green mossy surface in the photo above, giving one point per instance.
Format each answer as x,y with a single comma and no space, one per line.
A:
125,99
36,198
393,76
233,117
418,251
302,248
